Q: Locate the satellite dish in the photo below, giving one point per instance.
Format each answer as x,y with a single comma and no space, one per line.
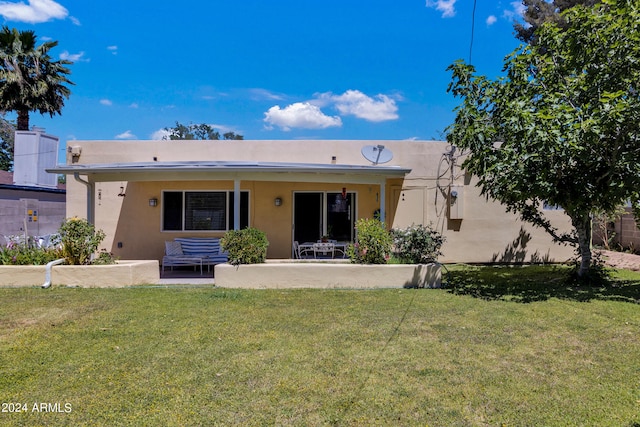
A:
377,154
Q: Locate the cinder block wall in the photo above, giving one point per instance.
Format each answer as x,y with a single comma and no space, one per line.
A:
628,233
14,213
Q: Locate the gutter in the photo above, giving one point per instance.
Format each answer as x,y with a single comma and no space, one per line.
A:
48,268
90,214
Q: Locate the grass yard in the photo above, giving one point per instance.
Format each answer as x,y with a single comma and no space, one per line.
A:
500,346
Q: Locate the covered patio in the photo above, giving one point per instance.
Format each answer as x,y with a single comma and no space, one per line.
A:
289,201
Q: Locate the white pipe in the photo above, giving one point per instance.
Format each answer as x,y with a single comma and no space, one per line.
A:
47,276
90,212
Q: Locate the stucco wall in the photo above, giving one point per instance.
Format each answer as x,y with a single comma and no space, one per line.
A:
483,231
136,228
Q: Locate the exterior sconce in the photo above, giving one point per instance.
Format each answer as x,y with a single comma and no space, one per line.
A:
278,201
344,193
153,202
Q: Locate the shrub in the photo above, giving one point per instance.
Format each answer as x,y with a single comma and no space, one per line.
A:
23,253
104,258
418,244
79,240
246,246
373,243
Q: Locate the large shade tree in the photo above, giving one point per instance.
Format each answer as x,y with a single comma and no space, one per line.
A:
30,80
563,126
537,12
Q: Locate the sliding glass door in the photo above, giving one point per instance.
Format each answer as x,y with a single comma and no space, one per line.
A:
318,214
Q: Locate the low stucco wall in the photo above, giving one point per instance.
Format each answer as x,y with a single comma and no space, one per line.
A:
121,274
327,275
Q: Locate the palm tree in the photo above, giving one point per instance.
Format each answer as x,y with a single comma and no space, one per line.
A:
29,79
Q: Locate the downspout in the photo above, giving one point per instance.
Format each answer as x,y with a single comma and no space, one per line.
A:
90,213
383,201
47,275
236,204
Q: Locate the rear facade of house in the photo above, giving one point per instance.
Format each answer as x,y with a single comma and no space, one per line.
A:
143,193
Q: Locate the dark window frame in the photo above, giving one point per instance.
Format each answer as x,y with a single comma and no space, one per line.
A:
182,211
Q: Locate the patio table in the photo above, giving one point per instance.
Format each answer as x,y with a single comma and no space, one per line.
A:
308,247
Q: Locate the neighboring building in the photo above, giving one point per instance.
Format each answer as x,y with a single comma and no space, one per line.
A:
623,232
143,193
627,231
31,200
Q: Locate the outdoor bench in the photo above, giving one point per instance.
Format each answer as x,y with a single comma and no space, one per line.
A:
193,251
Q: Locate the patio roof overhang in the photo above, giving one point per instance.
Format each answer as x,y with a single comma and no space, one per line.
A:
225,170
233,171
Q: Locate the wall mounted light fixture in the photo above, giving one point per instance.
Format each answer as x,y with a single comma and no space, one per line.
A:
153,202
278,201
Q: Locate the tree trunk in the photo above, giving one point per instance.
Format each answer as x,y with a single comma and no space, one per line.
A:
23,120
583,226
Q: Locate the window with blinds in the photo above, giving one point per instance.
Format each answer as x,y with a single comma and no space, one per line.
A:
202,210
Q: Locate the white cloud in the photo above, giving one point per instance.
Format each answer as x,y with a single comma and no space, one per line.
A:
133,105
447,7
126,135
262,94
159,135
75,21
491,20
355,103
35,12
516,12
106,102
223,128
73,57
300,115
113,49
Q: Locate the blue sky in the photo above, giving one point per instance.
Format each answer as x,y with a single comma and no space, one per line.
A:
278,69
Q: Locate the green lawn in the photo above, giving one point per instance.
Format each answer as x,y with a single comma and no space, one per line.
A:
499,346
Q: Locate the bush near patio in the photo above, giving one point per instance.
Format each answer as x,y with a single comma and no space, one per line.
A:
373,244
246,246
80,240
417,244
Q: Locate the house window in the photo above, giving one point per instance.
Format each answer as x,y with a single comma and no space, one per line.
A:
202,210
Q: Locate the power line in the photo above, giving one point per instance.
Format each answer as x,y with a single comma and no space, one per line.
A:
473,25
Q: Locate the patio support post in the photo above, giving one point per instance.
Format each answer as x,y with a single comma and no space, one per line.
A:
90,198
383,213
236,204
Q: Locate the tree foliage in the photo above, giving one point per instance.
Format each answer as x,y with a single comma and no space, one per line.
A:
537,12
7,136
563,125
200,132
29,80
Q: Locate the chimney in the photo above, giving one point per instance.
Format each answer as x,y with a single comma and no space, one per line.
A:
34,151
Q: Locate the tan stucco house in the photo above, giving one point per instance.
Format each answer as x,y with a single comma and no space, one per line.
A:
143,193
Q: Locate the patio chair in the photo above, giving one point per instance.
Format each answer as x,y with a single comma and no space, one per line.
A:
326,249
296,249
301,251
340,250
